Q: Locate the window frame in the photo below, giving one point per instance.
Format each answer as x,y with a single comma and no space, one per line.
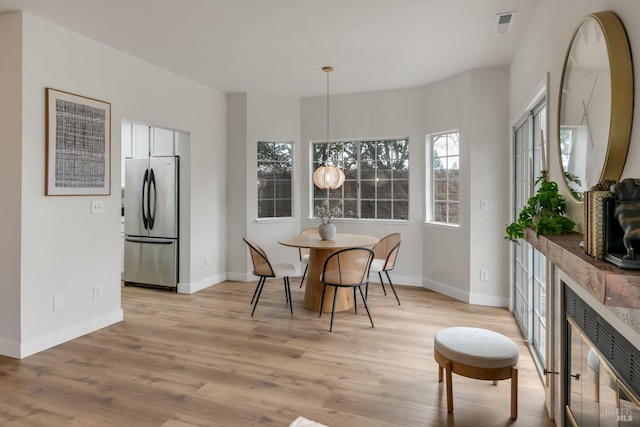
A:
274,198
432,180
352,203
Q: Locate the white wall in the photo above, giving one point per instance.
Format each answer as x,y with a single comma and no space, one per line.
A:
237,146
252,118
273,118
488,136
447,250
444,259
64,250
475,103
544,49
395,113
10,178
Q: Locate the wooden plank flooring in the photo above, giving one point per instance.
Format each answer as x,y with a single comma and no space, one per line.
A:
201,360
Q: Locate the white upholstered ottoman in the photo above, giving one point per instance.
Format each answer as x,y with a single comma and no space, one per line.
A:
477,353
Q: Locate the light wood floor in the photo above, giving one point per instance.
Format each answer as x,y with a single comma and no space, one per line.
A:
201,360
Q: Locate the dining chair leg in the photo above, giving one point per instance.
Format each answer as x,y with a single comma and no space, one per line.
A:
256,291
392,288
355,303
333,308
288,286
365,305
286,294
382,283
304,274
366,290
324,289
261,284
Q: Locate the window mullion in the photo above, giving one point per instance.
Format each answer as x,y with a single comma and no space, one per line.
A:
359,178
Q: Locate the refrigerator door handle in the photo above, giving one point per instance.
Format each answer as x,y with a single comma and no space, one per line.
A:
155,241
152,213
145,179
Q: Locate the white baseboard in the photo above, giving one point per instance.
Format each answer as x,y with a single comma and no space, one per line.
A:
22,350
446,290
489,300
464,296
241,277
10,349
191,288
397,280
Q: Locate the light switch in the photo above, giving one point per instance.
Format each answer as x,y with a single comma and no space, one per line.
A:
97,207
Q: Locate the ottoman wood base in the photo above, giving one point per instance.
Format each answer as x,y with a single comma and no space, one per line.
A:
493,374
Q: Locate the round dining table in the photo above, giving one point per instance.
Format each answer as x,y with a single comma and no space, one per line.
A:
319,251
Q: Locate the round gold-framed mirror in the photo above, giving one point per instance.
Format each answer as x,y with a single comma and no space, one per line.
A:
595,106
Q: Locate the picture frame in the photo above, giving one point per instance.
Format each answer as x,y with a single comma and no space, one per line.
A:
78,145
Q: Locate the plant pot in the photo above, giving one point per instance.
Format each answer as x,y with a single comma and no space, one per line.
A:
327,231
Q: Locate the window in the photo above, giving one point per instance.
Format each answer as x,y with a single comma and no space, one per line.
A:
445,177
376,177
275,163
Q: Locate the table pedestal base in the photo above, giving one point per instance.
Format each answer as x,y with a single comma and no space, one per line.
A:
313,286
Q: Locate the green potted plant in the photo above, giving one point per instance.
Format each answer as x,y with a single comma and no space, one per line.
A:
544,213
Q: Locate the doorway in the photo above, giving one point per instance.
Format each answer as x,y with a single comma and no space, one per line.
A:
529,279
140,140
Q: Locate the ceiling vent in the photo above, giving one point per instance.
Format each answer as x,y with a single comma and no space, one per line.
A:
504,22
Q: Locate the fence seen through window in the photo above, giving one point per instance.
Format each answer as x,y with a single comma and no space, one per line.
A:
376,177
275,164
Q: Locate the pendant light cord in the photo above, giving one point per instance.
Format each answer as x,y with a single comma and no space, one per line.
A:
327,70
328,106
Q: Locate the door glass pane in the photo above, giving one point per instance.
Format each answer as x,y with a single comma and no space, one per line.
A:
529,268
539,303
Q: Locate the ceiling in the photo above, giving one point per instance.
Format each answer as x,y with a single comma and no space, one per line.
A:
280,46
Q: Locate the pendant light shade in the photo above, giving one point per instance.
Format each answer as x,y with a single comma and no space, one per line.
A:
327,176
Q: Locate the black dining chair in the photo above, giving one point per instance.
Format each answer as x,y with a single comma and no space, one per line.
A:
346,268
264,269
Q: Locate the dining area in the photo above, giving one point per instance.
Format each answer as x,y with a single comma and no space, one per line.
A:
336,270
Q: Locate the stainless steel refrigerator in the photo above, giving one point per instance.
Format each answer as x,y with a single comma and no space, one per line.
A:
151,221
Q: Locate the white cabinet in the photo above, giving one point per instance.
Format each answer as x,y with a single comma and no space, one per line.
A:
140,141
126,139
125,142
162,142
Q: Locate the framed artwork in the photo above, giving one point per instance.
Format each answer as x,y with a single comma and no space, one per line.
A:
78,160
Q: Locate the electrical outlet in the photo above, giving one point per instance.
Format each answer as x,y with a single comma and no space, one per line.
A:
97,292
484,274
207,261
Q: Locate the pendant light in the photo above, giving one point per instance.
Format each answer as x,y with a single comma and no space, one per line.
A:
328,176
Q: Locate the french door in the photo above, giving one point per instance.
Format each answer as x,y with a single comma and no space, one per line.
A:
529,281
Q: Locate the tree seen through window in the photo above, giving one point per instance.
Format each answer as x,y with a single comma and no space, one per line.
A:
445,148
376,177
275,164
